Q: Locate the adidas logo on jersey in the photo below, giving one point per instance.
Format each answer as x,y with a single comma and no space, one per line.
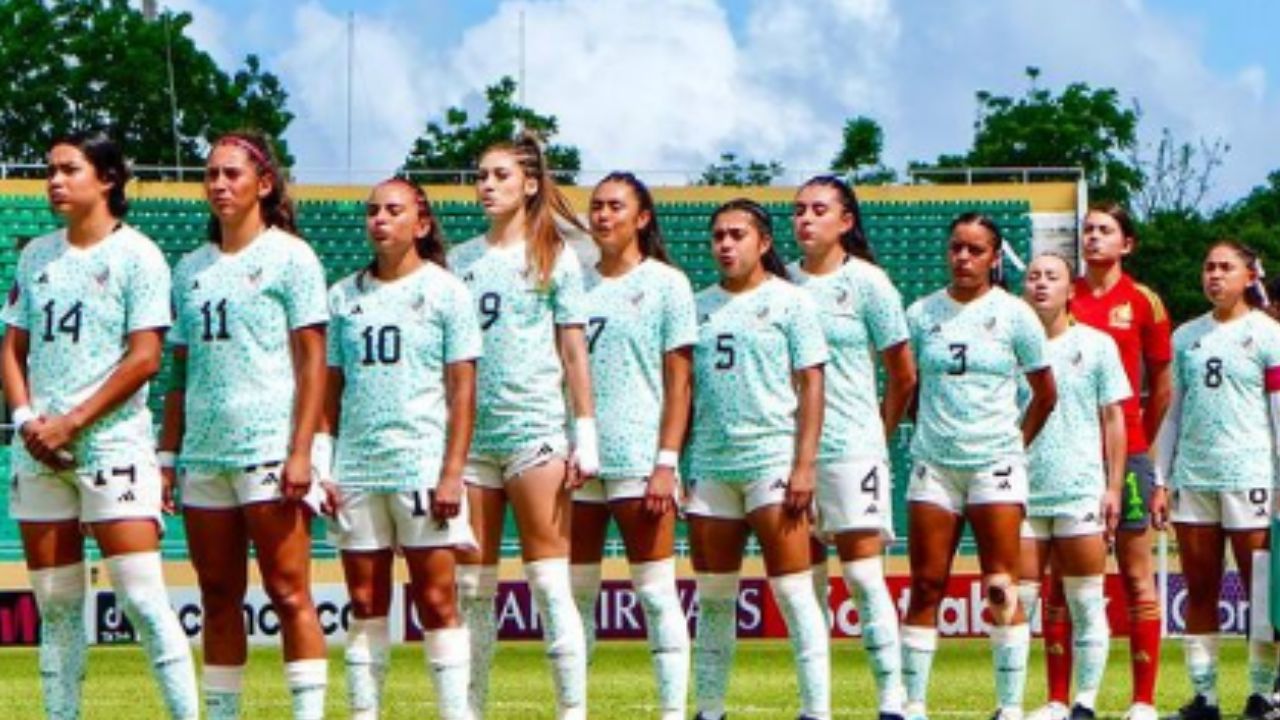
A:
1004,474
127,497
779,484
195,284
872,509
469,278
357,310
704,319
270,479
43,279
935,330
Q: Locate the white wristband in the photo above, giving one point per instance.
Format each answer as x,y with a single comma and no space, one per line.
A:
166,459
21,416
668,459
322,455
586,445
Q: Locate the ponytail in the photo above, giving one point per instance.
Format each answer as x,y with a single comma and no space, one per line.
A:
652,244
277,207
763,224
430,247
854,240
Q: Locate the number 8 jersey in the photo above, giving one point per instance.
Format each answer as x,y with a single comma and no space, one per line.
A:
78,307
971,356
234,313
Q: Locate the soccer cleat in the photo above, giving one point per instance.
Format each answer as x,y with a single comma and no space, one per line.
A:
701,716
1052,711
890,716
1080,712
1258,707
1141,711
1199,709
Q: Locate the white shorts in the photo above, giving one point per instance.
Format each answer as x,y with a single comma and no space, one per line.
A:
493,471
1232,509
378,520
1063,526
855,494
128,492
732,500
223,489
598,492
1003,482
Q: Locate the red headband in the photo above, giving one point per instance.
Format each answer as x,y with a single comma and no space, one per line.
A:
254,153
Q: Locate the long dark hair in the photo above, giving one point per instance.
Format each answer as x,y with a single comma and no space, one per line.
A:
430,247
543,207
997,241
652,244
763,224
854,240
277,207
107,159
1255,295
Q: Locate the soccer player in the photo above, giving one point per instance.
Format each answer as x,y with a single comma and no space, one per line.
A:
85,323
528,289
1217,446
640,334
247,396
403,342
973,341
861,315
757,421
1076,472
1108,299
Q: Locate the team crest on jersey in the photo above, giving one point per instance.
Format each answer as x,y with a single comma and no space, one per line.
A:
103,277
1121,317
843,298
1247,343
255,277
990,324
935,330
763,314
419,302
1077,359
637,298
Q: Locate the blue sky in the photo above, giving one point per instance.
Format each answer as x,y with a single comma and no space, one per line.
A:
665,86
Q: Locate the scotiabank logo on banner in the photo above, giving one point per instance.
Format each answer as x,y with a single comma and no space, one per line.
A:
19,618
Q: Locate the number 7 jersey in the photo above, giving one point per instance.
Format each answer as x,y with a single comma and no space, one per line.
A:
78,307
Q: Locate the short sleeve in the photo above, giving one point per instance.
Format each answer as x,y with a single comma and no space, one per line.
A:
1028,338
1112,382
568,295
806,341
333,339
15,305
177,334
1157,344
147,296
680,319
462,339
886,322
912,316
304,289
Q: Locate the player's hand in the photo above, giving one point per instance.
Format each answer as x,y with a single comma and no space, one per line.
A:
800,489
296,478
168,491
1111,513
1160,508
660,493
36,436
332,499
446,499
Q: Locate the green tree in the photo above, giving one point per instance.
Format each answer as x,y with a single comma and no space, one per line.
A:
78,64
448,150
862,141
1081,126
732,171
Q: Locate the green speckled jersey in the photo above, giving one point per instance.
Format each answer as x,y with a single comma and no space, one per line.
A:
520,397
635,319
861,315
78,308
392,341
1224,436
970,357
234,314
744,404
1067,473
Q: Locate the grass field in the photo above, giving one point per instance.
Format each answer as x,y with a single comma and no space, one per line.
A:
763,684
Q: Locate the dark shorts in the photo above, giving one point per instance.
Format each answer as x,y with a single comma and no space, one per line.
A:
1135,498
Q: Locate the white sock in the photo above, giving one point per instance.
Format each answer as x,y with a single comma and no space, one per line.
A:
822,589
1091,635
1262,667
562,630
59,593
1202,664
716,642
477,587
879,620
919,645
810,641
655,584
1010,646
448,653
586,589
1029,599
223,688
138,579
368,652
307,680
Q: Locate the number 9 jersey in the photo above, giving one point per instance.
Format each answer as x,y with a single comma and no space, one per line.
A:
234,313
971,356
78,307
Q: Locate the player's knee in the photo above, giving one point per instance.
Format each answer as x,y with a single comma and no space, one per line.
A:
1001,596
290,602
926,592
437,605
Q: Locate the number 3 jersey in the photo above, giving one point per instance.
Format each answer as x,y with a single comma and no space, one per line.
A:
391,341
971,356
635,320
1221,372
520,399
78,307
744,406
234,313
